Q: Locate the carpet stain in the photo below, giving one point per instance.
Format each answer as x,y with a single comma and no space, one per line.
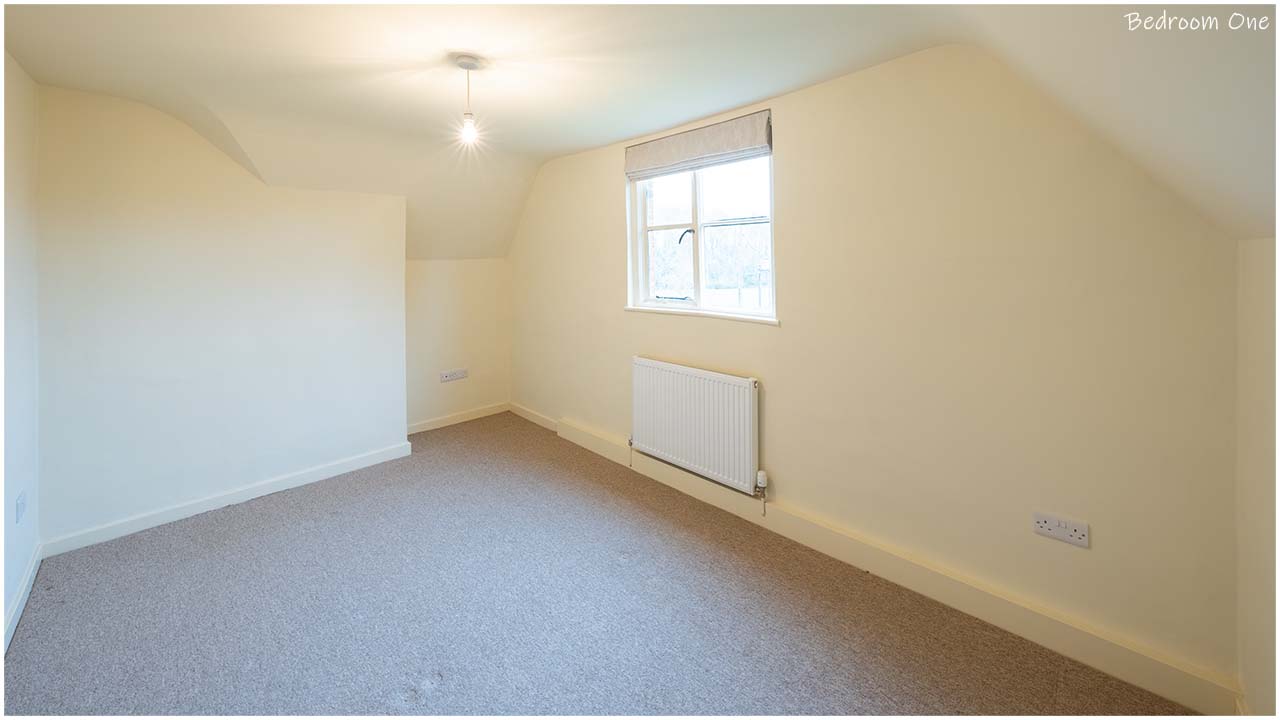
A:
418,693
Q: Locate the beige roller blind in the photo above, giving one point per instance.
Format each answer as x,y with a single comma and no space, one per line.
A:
737,139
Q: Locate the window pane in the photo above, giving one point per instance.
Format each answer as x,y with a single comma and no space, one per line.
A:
669,199
670,265
735,190
739,268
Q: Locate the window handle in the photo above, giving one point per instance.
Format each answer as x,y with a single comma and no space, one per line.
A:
681,239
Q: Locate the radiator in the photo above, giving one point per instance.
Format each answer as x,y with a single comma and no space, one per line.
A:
705,422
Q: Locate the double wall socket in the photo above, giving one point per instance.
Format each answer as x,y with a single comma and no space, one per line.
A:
453,375
1068,531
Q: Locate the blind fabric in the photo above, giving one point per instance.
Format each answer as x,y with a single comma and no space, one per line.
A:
737,139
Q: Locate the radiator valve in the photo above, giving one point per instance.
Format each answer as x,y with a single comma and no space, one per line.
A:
762,482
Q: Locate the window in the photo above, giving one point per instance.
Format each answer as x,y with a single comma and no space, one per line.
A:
703,240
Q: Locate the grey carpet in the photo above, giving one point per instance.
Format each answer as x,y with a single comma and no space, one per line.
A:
500,569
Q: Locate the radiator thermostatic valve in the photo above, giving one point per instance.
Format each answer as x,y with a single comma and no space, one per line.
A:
762,482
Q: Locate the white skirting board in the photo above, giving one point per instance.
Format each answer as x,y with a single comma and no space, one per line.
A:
536,418
120,528
1198,688
454,419
28,579
142,521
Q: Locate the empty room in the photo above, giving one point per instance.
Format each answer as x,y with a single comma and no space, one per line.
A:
639,360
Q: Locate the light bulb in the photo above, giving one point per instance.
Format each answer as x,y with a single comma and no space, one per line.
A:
468,134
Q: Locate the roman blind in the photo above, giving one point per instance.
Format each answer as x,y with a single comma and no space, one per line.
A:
737,139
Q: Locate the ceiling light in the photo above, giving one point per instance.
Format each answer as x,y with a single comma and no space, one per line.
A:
469,134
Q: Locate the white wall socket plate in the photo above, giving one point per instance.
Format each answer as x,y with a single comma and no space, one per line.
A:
453,375
1068,531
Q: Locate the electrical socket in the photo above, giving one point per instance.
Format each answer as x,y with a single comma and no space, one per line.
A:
1068,531
20,507
452,375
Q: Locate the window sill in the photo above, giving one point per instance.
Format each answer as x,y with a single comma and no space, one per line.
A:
703,313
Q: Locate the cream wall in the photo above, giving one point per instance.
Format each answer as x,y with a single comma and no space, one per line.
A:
458,315
204,337
985,311
21,357
1256,472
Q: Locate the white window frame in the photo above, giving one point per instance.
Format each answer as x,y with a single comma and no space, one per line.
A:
639,298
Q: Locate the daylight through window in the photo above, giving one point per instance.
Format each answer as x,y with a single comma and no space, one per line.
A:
704,240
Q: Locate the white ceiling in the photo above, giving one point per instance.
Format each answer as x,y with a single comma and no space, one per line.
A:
364,98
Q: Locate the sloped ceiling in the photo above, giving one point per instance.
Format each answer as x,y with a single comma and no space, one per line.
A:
365,98
1196,109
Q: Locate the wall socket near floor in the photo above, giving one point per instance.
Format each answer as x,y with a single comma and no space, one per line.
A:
20,507
453,375
1068,531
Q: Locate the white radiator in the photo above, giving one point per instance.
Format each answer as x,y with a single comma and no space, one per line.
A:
705,422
